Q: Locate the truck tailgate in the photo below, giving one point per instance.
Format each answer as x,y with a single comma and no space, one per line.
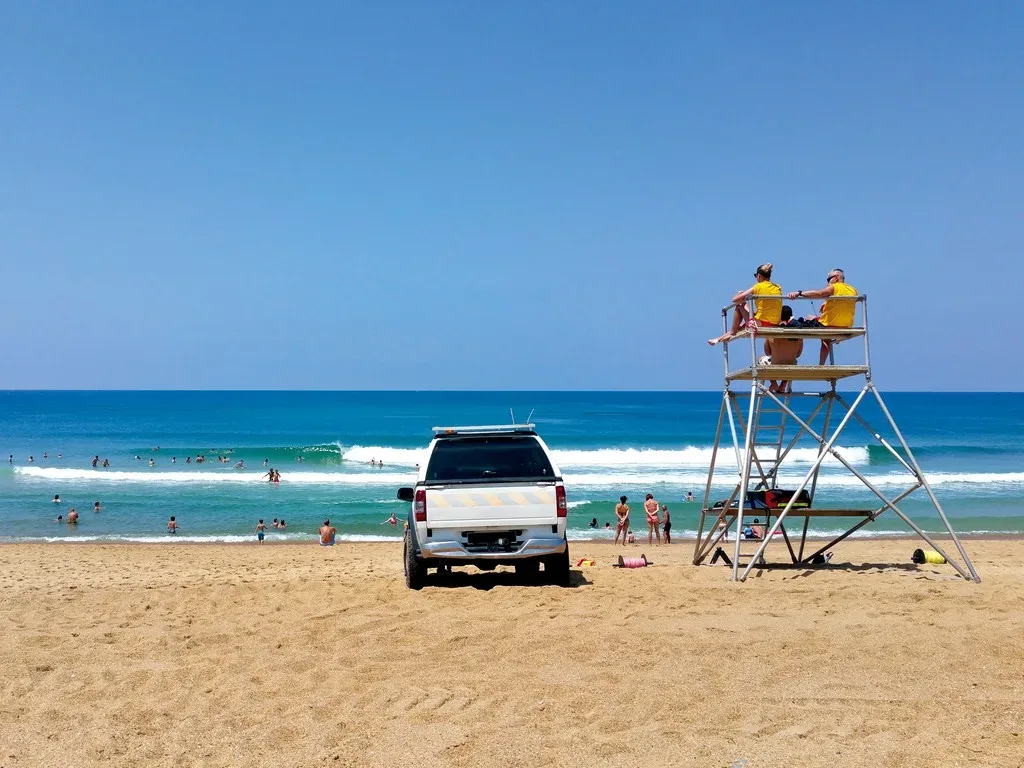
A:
495,507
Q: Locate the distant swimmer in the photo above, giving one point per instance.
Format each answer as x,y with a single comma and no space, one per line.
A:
188,460
46,455
327,534
174,459
380,464
60,519
261,531
96,507
56,498
282,525
152,463
10,458
60,455
767,311
393,520
689,495
240,464
31,459
172,525
276,524
300,459
137,457
277,476
96,460
106,463
72,516
265,462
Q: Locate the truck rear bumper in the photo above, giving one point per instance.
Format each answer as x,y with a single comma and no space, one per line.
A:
454,550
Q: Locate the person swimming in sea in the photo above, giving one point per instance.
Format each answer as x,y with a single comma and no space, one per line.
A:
172,525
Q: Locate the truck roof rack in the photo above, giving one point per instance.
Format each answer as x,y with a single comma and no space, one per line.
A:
483,429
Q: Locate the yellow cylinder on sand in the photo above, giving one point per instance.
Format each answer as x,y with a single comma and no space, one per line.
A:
927,556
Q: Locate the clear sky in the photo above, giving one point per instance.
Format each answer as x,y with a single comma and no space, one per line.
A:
521,195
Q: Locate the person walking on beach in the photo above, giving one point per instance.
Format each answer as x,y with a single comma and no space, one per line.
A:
622,526
260,531
327,533
653,523
667,522
172,525
767,312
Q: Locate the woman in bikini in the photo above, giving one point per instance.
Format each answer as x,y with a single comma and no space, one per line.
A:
653,523
622,514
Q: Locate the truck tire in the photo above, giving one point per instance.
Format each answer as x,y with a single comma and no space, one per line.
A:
556,569
415,570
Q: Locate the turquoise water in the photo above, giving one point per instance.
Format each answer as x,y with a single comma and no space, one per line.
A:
607,444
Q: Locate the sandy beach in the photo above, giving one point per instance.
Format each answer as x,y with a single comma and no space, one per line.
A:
294,655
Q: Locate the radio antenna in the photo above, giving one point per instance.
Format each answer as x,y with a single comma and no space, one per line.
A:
530,417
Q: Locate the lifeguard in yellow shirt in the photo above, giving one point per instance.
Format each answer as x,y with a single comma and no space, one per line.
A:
834,314
767,312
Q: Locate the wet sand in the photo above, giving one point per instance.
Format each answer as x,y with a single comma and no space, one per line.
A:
296,655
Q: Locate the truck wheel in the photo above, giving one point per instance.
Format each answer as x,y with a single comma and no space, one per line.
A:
528,570
415,571
556,568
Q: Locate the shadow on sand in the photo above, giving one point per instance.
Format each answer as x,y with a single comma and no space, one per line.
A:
459,579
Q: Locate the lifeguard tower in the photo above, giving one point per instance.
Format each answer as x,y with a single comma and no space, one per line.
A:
766,427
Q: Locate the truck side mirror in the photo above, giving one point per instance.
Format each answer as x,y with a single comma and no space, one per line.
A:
406,494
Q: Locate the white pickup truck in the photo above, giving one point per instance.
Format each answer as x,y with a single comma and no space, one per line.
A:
487,496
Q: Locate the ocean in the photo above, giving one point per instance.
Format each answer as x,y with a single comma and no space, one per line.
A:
608,444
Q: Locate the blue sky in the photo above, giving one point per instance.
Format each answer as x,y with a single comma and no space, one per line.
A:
423,195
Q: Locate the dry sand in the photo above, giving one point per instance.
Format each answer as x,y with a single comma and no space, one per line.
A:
294,655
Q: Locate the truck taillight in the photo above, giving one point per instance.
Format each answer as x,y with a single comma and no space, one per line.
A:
560,504
419,506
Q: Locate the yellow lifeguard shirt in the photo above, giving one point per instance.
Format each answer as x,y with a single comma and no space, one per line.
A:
768,311
839,314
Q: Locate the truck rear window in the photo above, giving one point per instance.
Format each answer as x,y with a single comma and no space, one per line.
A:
488,459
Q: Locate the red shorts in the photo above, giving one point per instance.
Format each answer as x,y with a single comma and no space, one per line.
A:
753,324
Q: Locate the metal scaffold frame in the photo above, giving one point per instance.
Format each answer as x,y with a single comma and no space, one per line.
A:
758,473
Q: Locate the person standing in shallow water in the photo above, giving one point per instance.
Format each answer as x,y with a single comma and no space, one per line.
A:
172,525
667,522
261,530
622,524
653,523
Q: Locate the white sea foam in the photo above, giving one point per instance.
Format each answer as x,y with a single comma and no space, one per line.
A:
403,457
574,481
617,458
691,456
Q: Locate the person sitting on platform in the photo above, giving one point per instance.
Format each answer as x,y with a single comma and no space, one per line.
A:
767,312
834,314
784,352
